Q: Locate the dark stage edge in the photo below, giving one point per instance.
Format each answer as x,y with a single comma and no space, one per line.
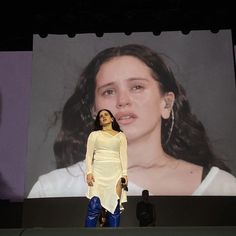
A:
124,231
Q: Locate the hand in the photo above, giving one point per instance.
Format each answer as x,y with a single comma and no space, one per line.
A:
126,179
124,182
90,179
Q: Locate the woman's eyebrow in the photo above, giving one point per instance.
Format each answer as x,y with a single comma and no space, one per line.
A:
106,85
137,78
129,79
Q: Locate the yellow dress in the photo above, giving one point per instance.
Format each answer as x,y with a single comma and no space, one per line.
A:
106,158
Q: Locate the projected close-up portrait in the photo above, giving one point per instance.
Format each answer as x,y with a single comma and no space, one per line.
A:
173,96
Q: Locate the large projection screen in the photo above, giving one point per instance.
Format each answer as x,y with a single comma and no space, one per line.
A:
202,62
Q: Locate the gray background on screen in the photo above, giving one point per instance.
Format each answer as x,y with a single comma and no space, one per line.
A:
202,62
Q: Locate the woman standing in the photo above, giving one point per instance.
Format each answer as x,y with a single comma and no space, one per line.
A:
106,164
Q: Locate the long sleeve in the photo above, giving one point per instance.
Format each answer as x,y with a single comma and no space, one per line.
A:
89,152
123,154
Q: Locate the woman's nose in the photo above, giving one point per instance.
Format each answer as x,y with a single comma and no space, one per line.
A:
123,100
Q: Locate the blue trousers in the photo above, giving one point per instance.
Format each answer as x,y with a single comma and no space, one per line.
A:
94,210
113,220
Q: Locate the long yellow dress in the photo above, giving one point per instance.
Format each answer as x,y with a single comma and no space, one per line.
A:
106,158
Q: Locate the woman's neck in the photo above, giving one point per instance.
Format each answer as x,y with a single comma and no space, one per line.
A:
146,152
107,128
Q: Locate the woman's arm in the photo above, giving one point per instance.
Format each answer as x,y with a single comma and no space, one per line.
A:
124,156
89,153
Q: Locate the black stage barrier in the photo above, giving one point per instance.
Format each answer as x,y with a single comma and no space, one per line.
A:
70,212
11,214
170,211
128,231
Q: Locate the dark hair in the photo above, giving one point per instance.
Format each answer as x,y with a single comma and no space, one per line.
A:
187,139
98,126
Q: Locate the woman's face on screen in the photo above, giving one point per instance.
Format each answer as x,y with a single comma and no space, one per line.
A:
125,86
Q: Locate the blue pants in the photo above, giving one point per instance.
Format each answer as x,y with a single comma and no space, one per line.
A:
113,220
94,210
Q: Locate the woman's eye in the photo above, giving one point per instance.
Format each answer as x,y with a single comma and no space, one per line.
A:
108,92
137,88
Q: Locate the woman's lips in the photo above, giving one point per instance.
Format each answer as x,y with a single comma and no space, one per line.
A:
125,118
